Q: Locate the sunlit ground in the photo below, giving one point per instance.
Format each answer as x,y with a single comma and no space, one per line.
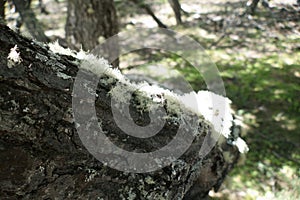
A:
259,60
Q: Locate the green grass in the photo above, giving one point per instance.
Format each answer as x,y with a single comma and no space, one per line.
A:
265,91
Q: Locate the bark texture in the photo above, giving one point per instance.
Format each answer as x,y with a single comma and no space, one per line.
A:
42,156
88,20
92,21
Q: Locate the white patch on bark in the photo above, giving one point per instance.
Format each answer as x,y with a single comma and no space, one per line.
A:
56,48
241,145
13,57
214,108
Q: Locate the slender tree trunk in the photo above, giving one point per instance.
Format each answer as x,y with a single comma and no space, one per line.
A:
43,7
251,6
148,9
2,8
90,21
42,156
28,17
177,10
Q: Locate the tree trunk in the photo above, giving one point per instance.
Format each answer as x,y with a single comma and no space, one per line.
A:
88,20
2,9
251,6
42,156
28,17
148,9
177,10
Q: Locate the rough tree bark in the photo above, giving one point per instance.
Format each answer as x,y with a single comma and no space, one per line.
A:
42,156
88,20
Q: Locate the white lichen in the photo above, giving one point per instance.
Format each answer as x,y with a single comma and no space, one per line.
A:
121,93
241,145
56,48
94,64
131,194
26,110
149,180
115,73
91,175
13,57
41,168
214,109
128,191
63,75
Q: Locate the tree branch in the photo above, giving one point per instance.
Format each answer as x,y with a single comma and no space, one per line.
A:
42,155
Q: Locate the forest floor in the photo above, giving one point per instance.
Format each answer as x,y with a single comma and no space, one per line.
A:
259,60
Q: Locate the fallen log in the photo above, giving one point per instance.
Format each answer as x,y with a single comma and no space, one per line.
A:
44,156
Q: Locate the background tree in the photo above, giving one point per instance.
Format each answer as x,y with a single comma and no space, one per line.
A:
88,22
142,4
28,17
2,8
177,10
251,6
